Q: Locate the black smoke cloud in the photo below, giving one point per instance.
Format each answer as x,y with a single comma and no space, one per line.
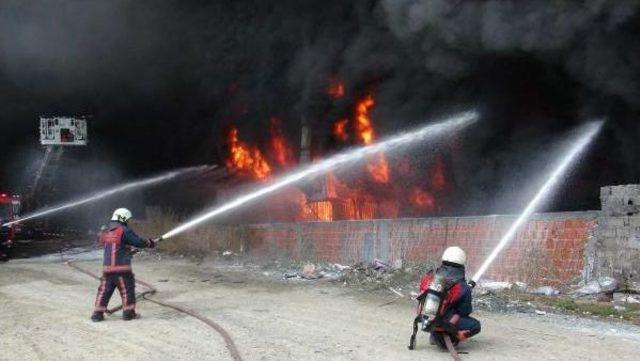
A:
163,79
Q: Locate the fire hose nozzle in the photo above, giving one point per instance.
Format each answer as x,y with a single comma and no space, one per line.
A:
472,283
156,240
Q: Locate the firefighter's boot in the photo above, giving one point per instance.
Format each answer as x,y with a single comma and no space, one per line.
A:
129,315
97,316
437,340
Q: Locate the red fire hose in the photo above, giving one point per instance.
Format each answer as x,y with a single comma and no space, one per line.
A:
231,346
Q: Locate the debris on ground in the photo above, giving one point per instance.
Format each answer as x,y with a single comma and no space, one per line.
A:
621,298
545,290
396,292
492,296
309,272
495,285
600,285
378,265
374,275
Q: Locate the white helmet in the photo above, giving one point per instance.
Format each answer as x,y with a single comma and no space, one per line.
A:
454,255
121,215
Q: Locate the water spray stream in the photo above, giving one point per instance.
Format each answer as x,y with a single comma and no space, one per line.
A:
331,163
109,192
589,132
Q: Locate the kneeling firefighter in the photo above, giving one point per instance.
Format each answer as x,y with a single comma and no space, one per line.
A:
118,241
445,302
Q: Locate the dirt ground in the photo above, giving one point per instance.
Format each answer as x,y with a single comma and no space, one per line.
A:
45,309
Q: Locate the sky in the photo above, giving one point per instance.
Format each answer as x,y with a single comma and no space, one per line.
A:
162,81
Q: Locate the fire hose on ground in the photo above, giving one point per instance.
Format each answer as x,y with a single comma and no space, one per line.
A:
231,346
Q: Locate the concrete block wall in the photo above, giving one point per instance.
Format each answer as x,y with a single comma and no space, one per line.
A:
615,248
549,249
622,200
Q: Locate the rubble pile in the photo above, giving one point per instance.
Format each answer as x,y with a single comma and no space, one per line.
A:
401,283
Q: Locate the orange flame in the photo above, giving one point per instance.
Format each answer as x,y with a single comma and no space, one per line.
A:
377,167
336,89
282,153
321,211
340,130
422,199
246,159
364,129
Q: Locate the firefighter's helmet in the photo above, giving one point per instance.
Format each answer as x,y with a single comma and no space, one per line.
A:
454,255
121,215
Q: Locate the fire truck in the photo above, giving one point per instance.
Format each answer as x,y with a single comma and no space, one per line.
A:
9,211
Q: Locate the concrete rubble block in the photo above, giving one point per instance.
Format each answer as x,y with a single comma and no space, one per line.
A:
546,290
626,298
495,285
309,271
600,285
632,286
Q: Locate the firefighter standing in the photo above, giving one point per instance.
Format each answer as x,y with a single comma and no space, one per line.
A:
5,242
454,312
118,241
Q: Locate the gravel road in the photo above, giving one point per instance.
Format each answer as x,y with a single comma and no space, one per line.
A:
45,309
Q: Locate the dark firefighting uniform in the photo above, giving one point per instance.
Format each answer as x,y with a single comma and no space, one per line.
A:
118,239
457,303
4,242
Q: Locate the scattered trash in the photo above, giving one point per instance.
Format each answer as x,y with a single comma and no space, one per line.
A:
310,272
378,265
619,297
546,290
541,313
496,285
520,286
396,292
397,264
340,267
227,253
331,276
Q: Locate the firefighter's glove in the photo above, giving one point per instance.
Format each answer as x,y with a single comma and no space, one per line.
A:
151,243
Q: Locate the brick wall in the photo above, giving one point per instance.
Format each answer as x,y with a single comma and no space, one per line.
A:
549,249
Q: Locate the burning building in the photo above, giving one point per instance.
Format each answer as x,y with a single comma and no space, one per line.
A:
379,188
